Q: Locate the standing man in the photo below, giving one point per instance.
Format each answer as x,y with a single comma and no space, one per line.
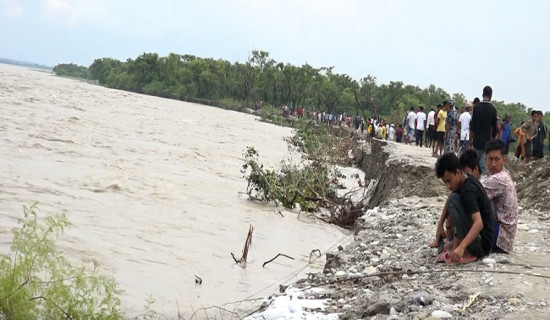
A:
464,127
450,128
440,129
420,125
483,126
505,132
411,119
430,135
530,129
538,142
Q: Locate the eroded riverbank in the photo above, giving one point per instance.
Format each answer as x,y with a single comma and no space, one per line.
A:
389,272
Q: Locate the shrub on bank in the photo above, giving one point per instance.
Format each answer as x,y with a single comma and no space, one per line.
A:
38,283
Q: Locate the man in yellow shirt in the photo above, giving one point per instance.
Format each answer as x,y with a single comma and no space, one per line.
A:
440,131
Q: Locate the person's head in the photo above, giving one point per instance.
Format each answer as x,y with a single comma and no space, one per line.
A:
469,162
476,101
495,155
400,126
412,108
432,108
450,105
534,115
507,117
421,108
487,93
445,103
448,169
539,114
439,106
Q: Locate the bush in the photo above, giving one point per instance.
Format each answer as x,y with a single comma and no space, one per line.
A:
38,283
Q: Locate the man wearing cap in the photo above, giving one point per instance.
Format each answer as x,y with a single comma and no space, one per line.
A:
483,126
538,141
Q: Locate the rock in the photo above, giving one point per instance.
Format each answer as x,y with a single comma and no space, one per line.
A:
378,307
385,256
489,261
346,307
370,270
422,298
502,259
340,274
441,314
514,301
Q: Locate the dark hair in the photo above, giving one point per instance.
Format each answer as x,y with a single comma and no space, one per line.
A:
495,144
476,100
412,108
421,107
439,106
534,112
487,92
445,103
448,162
469,159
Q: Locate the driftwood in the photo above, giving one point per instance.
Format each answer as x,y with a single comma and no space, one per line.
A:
280,254
247,244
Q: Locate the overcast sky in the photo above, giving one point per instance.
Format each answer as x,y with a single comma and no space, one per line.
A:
460,46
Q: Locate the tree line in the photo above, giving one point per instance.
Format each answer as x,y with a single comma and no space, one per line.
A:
238,85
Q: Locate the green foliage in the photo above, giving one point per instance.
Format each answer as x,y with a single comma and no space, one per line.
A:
306,185
38,283
71,70
237,85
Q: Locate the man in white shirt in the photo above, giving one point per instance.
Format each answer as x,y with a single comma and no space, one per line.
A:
391,135
464,127
411,117
420,125
430,134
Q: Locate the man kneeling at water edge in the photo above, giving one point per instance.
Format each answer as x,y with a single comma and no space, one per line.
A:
469,211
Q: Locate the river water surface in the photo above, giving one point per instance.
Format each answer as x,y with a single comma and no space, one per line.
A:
151,188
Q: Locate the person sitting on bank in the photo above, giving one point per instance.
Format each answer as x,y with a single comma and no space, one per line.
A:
469,163
469,211
502,195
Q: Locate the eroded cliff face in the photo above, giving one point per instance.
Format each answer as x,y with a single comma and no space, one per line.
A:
399,171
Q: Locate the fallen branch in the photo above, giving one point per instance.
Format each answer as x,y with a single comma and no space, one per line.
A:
247,244
280,254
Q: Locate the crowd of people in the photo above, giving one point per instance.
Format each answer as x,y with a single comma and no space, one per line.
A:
472,147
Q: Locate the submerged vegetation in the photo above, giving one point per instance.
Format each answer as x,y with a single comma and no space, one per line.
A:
310,184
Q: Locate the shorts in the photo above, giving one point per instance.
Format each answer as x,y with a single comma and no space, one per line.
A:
538,154
431,132
464,135
439,136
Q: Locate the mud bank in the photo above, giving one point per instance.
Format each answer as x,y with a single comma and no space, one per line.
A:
389,272
399,171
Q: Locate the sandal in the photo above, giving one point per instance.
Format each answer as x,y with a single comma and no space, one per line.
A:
443,257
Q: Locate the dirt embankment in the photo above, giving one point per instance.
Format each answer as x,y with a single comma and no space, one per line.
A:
399,171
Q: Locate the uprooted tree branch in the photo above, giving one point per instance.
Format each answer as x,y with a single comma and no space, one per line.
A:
310,184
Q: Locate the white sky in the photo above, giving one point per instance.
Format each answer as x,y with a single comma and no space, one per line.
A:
460,46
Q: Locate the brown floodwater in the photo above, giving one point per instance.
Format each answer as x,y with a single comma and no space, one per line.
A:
151,188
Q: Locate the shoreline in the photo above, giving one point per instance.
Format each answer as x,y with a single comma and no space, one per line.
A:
389,272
